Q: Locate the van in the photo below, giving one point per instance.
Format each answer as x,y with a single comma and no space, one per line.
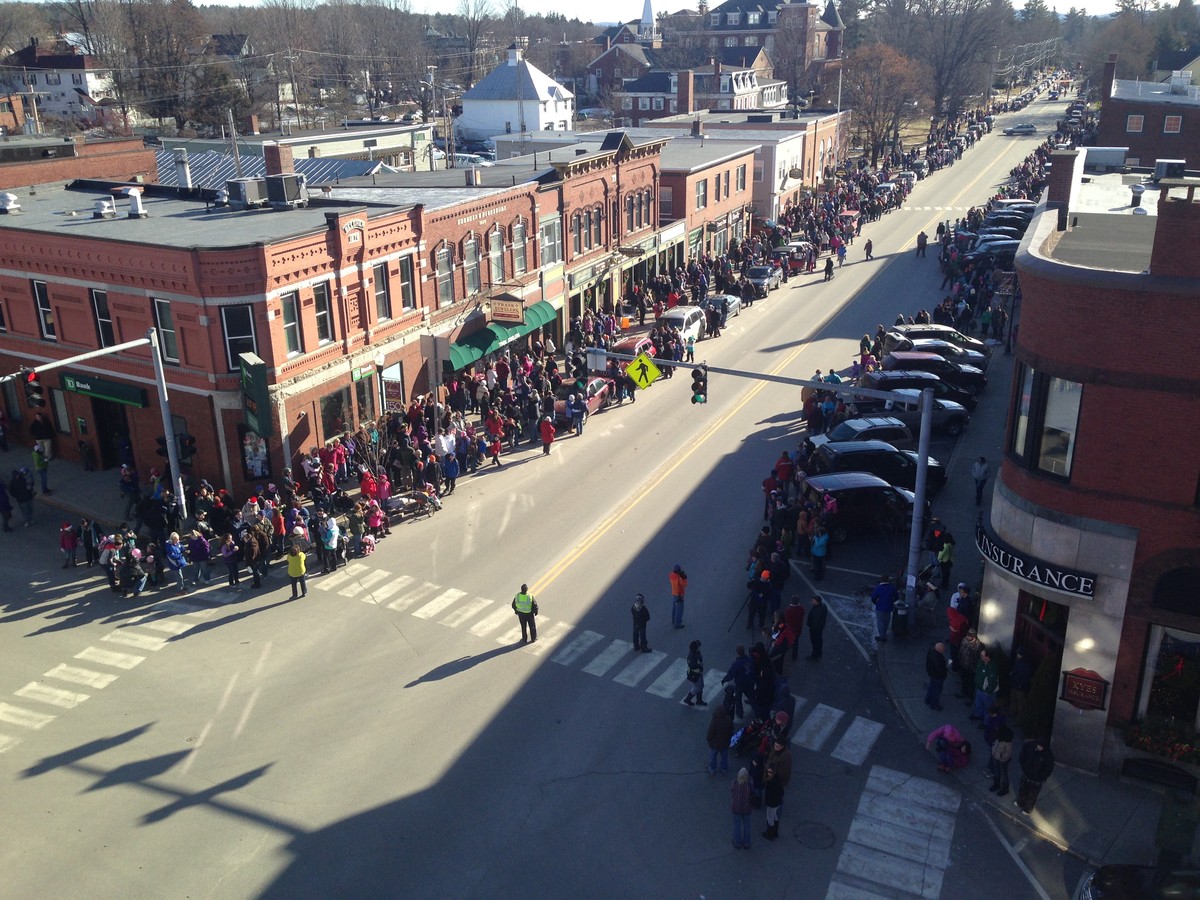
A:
470,161
960,375
688,319
896,467
865,503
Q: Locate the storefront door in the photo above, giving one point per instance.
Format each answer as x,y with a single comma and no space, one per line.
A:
111,427
1041,629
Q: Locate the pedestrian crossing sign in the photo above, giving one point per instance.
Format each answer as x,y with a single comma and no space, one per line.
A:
643,371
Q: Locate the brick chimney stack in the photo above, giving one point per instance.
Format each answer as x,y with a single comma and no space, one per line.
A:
278,158
1110,75
685,91
1176,236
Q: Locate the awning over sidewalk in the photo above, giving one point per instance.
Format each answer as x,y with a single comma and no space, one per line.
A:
496,336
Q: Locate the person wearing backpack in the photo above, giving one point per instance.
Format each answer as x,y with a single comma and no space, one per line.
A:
695,676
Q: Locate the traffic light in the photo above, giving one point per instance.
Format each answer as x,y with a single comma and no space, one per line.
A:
700,385
33,388
187,449
162,446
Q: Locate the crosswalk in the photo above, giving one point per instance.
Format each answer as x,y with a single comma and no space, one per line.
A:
941,208
899,839
612,659
70,684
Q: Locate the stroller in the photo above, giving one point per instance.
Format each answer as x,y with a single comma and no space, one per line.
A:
749,738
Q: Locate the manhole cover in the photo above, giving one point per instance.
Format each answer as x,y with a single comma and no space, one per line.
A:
813,835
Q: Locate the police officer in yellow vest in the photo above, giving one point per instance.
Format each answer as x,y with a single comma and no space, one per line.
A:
526,610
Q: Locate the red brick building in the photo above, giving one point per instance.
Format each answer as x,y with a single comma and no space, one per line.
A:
1092,547
711,194
1155,120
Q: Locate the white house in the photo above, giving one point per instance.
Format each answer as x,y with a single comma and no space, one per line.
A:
513,98
63,79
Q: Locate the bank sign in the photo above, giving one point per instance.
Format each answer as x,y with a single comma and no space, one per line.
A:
1034,570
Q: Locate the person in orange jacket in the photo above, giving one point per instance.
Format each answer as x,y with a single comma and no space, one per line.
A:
679,582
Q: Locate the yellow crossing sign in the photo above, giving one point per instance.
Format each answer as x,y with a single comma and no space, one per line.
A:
643,371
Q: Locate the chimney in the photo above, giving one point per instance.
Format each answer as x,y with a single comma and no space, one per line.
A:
137,208
1110,75
183,169
278,158
250,124
1062,180
697,129
685,90
1175,235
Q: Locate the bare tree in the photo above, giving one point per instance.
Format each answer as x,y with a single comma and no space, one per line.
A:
955,39
881,85
473,18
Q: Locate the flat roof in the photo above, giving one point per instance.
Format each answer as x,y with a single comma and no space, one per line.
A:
1103,231
688,154
1154,92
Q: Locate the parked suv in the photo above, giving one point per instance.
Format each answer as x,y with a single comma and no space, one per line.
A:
890,381
948,417
865,503
933,330
960,375
947,350
896,467
868,428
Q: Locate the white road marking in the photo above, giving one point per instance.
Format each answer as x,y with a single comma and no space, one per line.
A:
183,608
135,639
1013,852
418,594
26,718
712,685
262,658
609,657
583,642
191,757
166,626
7,742
110,658
52,696
464,612
669,682
512,636
856,743
439,604
817,728
384,591
245,717
486,626
363,585
642,666
548,638
77,675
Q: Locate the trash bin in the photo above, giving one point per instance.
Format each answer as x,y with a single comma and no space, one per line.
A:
900,619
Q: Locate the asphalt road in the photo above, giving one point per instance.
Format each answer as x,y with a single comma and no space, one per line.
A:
387,736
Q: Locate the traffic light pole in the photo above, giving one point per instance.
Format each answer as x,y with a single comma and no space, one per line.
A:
164,409
160,378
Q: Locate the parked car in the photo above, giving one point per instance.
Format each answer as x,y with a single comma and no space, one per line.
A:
960,375
731,304
896,467
688,319
865,503
933,330
470,161
999,231
633,346
890,381
1000,257
1127,882
950,351
598,393
949,417
867,428
765,279
997,246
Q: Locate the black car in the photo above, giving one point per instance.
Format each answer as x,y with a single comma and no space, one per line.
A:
933,330
958,374
1128,882
896,467
867,428
998,257
890,381
865,503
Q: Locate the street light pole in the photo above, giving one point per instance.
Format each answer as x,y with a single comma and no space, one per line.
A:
164,409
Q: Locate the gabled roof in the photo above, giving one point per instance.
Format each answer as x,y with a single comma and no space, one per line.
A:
832,17
1177,60
640,54
742,57
230,45
616,141
211,169
60,55
650,83
517,79
613,31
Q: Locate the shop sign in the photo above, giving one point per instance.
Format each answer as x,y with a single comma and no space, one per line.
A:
256,399
510,312
1084,689
104,389
393,395
362,372
1031,569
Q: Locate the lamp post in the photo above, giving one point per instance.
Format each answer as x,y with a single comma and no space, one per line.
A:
380,363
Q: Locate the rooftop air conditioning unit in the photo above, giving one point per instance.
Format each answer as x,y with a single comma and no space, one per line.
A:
1169,168
246,193
286,191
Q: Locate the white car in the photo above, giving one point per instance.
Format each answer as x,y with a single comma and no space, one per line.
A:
688,319
471,161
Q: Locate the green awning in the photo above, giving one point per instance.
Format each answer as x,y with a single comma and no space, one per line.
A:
496,336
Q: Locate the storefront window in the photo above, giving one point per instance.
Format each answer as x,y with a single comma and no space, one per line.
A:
364,394
1171,692
335,413
1045,420
256,462
1021,419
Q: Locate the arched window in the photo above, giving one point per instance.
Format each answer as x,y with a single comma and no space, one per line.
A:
444,272
496,255
471,264
576,234
629,208
520,262
597,234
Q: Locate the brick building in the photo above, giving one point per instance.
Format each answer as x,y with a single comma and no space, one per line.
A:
1154,120
37,159
1092,544
710,193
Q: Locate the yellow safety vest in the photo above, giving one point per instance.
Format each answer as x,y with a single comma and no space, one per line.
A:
523,603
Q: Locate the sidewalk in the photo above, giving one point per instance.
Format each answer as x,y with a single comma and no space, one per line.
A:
1100,819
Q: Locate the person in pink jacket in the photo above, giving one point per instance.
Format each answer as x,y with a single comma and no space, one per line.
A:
953,750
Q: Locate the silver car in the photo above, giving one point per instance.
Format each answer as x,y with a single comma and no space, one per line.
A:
764,279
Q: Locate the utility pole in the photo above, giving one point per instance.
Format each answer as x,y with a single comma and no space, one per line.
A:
291,59
237,156
37,122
